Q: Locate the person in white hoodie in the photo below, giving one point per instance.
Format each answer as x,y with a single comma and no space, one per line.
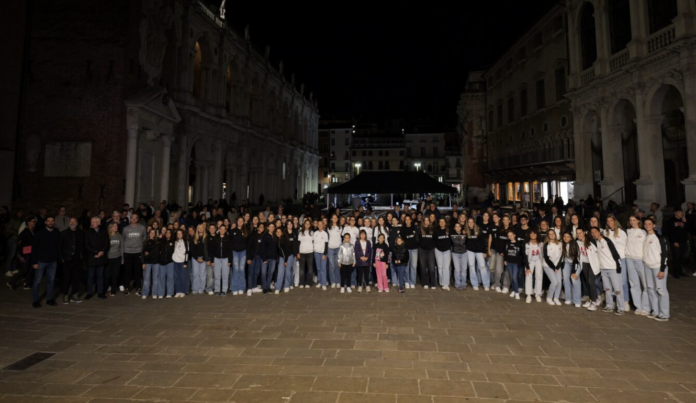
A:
655,260
589,261
619,237
635,268
305,237
334,232
610,263
320,241
533,267
553,263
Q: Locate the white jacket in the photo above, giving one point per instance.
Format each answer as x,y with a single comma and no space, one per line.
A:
589,255
655,252
635,243
554,252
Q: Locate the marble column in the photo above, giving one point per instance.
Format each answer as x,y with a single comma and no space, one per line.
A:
131,164
166,159
603,42
651,185
637,47
584,180
684,23
690,129
182,187
612,158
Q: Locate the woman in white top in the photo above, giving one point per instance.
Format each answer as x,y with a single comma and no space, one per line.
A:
306,254
533,273
367,227
619,237
634,266
352,230
552,264
574,225
655,260
589,261
334,232
180,258
320,240
610,264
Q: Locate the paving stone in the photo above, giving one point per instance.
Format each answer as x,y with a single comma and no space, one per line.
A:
446,388
156,379
562,393
490,390
393,386
337,384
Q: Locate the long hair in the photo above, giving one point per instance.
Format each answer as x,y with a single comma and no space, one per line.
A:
617,225
199,238
572,252
640,221
547,238
476,229
426,229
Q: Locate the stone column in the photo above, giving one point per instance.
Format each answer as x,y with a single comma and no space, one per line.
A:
131,164
584,181
603,40
166,158
690,129
651,185
198,186
637,47
574,55
612,158
182,188
205,192
684,23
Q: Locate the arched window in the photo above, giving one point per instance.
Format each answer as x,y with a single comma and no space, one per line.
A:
231,85
202,66
661,13
588,36
619,24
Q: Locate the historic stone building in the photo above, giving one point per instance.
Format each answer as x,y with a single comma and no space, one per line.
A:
147,100
517,111
633,88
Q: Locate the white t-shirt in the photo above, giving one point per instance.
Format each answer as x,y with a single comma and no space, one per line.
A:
306,241
619,241
636,240
321,238
334,237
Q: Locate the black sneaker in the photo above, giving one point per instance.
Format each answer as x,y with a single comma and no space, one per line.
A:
51,302
66,300
36,304
88,297
101,296
126,293
75,299
138,293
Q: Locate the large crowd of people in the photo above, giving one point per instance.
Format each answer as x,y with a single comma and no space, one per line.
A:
576,253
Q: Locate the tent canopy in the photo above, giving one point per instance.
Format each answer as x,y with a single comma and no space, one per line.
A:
391,182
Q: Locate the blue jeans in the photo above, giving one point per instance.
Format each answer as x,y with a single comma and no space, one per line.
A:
613,287
151,271
254,270
461,262
181,278
394,276
221,274
197,276
476,260
401,272
624,279
166,280
50,270
573,288
444,264
657,292
93,271
556,279
267,269
411,275
321,268
334,269
284,278
638,284
237,282
514,270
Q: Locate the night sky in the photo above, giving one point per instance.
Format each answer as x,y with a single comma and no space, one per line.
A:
375,61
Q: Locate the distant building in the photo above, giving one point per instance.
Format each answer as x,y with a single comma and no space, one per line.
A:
377,152
453,161
341,139
324,166
425,152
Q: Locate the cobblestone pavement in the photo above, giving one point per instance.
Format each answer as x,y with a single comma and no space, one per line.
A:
312,346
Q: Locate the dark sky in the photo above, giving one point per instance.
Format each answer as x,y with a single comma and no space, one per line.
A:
374,60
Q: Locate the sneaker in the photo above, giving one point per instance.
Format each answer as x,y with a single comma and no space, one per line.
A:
15,272
651,315
367,289
627,306
538,298
517,295
10,286
637,312
287,289
487,288
315,279
645,313
222,294
529,299
619,313
318,285
585,298
26,287
401,290
36,304
512,294
592,307
126,293
352,287
568,302
8,274
257,290
387,290
75,299
578,306
497,289
51,302
425,287
66,300
249,292
505,291
586,304
323,288
557,301
273,285
475,288
446,288
349,290
176,295
343,290
168,297
608,310
360,289
120,288
138,293
661,318
210,293
550,301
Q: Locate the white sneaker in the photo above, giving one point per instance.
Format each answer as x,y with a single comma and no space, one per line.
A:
550,301
517,295
497,289
323,288
360,289
349,290
425,287
249,292
378,290
286,289
578,306
627,306
318,285
487,288
694,274
407,285
529,299
333,285
8,274
352,287
387,290
343,290
120,287
538,298
505,291
592,307
257,290
446,288
587,304
475,288
182,295
277,292
568,302
211,293
315,279
273,285
144,296
585,298
557,301
512,294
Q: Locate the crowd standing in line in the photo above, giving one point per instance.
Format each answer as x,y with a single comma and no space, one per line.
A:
584,257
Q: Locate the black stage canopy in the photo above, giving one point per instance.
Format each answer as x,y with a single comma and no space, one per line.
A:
391,182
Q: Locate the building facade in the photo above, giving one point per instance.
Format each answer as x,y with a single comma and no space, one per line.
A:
377,152
341,138
452,173
425,152
157,100
633,87
518,112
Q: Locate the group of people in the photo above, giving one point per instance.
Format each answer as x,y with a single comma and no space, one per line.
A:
592,263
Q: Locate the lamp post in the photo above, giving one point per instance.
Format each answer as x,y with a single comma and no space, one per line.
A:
417,165
357,166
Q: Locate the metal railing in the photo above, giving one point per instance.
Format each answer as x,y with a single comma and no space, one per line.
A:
615,192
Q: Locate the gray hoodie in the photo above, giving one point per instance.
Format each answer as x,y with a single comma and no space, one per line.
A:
133,239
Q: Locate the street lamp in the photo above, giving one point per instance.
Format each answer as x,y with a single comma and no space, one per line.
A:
417,165
357,166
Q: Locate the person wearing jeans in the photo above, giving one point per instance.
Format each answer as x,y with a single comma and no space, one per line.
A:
240,242
115,259
151,276
553,265
443,253
460,257
209,261
167,266
45,260
618,236
394,232
400,258
411,237
334,233
513,255
24,242
571,271
198,253
635,267
254,259
305,254
268,252
286,259
72,255
133,241
655,259
499,237
476,245
181,267
320,241
219,252
610,263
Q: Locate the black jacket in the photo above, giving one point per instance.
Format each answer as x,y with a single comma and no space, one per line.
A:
411,236
219,247
458,243
166,251
285,247
45,247
96,242
72,245
254,245
197,250
151,251
676,231
399,255
513,253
